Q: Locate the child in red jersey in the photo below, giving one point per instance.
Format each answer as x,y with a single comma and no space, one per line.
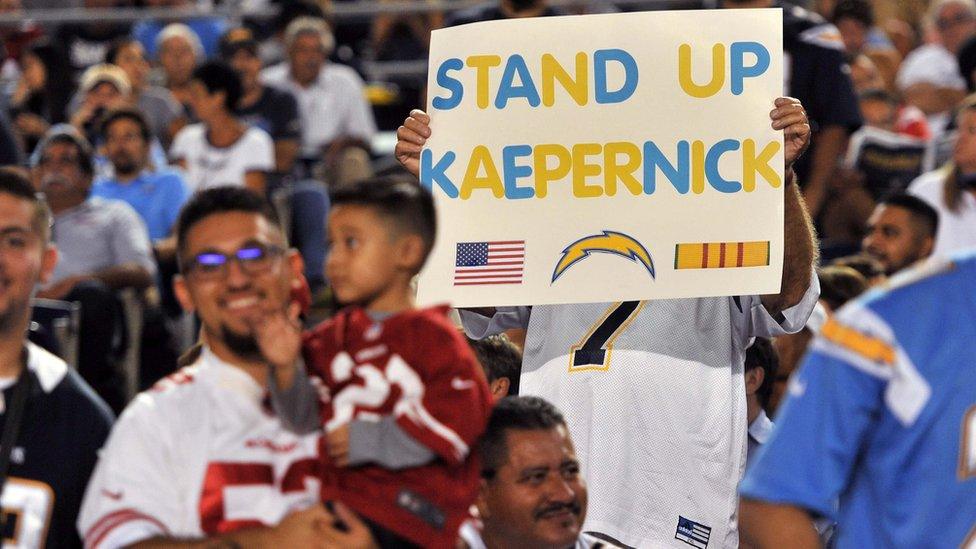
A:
402,398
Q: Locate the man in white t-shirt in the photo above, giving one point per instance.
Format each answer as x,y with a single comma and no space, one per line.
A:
200,457
221,150
951,190
338,122
659,429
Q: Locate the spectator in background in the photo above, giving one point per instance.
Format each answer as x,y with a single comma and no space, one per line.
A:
87,43
221,150
162,110
838,285
156,193
338,121
42,93
855,21
206,29
271,109
104,247
929,77
819,77
762,364
276,112
870,268
951,189
900,232
102,87
881,109
179,52
14,39
63,424
502,362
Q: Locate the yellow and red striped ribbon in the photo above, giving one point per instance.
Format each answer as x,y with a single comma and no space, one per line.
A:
721,255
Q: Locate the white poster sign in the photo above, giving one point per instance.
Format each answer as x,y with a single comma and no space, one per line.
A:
605,157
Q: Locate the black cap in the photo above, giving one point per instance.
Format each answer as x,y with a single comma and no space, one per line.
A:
237,39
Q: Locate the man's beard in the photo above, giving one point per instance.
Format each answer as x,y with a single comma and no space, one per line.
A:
10,317
242,345
125,165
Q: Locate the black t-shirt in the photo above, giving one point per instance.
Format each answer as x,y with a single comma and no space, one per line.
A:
63,426
818,76
276,112
86,45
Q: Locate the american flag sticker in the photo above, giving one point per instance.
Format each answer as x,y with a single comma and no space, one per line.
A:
692,533
498,262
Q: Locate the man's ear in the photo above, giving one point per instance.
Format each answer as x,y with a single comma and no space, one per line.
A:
49,259
482,500
499,388
183,294
928,244
754,379
410,252
296,263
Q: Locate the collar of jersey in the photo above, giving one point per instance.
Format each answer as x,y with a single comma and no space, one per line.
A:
49,369
228,377
761,427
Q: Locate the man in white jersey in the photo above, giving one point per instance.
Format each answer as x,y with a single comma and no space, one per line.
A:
200,458
661,429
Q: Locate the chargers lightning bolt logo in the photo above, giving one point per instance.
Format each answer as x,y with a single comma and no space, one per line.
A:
610,242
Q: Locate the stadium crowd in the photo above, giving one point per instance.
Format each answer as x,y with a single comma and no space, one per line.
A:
209,240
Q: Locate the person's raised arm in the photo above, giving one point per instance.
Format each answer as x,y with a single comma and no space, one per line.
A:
800,250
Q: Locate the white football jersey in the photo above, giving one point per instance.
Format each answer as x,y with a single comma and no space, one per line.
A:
197,455
654,396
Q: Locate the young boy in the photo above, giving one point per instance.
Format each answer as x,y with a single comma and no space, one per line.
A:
403,399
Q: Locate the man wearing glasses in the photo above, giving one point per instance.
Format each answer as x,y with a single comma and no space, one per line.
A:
200,458
51,423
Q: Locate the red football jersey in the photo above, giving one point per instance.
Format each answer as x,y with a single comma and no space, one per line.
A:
416,367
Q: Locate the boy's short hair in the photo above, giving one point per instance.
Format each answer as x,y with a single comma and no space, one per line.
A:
14,183
218,76
499,358
408,206
221,200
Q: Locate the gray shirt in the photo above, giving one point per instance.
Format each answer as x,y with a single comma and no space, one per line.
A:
98,234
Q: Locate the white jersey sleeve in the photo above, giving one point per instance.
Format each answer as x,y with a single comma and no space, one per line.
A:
755,320
132,495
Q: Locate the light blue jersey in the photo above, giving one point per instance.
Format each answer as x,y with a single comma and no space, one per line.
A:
879,429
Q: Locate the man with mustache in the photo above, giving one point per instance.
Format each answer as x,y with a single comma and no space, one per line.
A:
104,248
532,494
